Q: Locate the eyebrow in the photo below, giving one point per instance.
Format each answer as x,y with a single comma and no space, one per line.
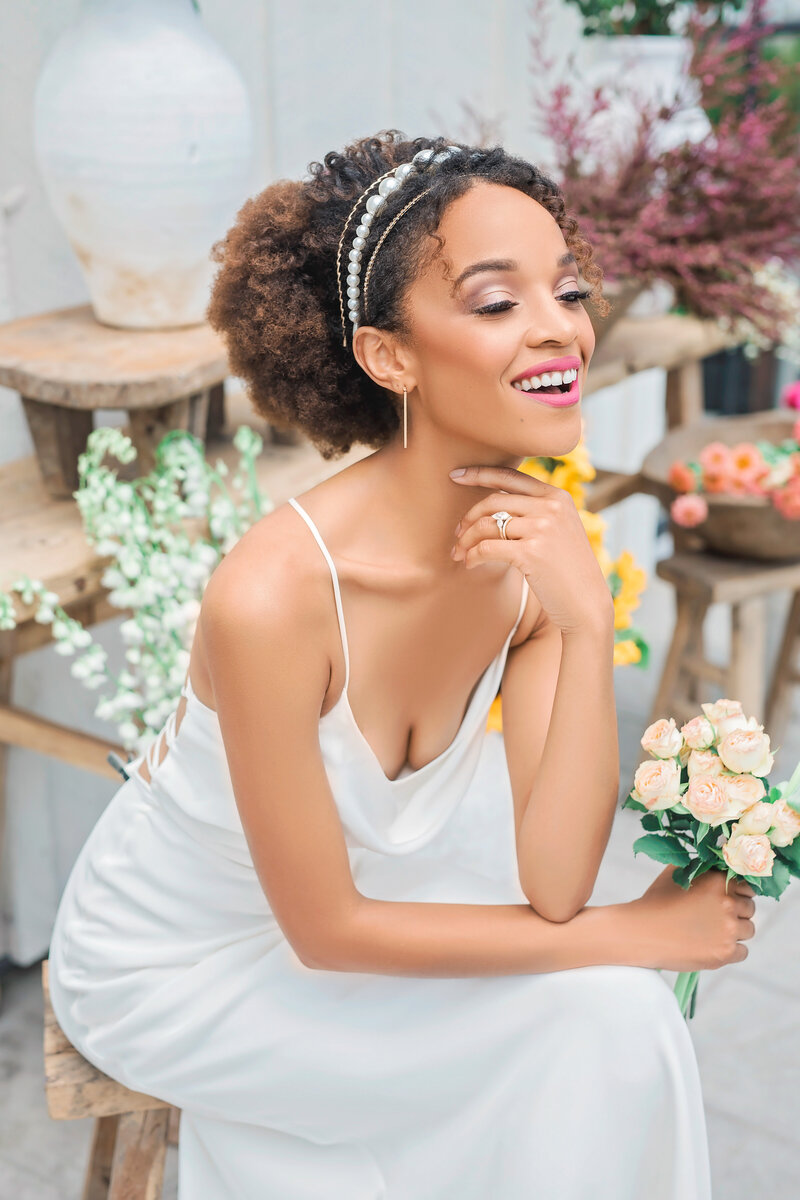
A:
501,264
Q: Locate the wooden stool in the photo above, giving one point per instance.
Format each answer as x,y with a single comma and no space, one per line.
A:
65,364
131,1130
701,580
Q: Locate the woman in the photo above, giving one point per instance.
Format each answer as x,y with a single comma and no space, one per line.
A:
290,921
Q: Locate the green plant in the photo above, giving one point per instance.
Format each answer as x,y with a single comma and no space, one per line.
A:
653,17
164,533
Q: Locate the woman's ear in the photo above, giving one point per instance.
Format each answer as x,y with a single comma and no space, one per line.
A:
386,360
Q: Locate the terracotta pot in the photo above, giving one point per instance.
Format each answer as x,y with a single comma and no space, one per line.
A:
738,526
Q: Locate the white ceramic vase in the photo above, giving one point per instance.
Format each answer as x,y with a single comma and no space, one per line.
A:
143,137
654,67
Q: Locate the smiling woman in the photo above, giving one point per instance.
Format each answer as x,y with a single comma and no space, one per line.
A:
360,975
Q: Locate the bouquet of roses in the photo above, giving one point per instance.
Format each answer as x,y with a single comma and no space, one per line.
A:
707,805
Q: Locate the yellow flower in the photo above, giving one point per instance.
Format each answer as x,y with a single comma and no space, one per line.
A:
571,471
495,720
622,614
626,652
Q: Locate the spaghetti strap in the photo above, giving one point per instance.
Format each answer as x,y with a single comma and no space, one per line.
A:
334,576
526,591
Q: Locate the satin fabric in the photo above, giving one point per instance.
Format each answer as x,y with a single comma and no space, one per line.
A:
169,972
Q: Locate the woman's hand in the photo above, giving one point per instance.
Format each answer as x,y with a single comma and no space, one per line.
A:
697,929
546,541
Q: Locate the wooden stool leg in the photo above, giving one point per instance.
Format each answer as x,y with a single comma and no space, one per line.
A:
689,615
8,638
215,419
98,1171
137,1171
59,436
785,673
694,654
746,669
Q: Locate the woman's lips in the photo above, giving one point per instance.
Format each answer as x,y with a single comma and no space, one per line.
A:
556,399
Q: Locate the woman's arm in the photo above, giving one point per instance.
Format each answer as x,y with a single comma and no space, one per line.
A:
266,620
560,732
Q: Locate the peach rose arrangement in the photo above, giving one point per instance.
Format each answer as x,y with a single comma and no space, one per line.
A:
761,468
706,805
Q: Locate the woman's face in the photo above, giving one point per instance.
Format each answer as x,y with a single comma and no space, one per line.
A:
501,249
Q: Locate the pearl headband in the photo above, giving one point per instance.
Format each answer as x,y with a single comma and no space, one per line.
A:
387,183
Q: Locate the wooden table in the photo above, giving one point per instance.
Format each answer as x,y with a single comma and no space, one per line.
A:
65,364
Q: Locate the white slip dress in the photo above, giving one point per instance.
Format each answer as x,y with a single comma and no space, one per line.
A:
170,973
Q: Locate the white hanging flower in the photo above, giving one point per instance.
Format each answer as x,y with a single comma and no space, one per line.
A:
157,571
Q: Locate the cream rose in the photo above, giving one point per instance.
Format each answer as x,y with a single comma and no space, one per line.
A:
704,762
707,800
698,733
746,789
656,783
786,822
757,819
746,750
749,854
725,715
662,739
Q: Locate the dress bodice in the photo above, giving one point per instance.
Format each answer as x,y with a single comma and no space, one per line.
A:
391,816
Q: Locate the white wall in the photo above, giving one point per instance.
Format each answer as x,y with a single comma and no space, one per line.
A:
320,73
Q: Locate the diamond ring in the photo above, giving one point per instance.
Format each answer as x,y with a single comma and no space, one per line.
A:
502,519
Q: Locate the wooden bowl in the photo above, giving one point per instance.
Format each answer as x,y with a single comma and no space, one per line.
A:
738,526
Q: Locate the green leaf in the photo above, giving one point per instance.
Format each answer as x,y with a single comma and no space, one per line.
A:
706,852
790,853
702,830
776,883
662,848
682,876
651,821
629,802
699,867
773,794
792,864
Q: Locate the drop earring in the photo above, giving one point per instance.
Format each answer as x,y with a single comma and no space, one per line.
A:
405,418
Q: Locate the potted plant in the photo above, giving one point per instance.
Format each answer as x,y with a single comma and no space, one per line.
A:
716,218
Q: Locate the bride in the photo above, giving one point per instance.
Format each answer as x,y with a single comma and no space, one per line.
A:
287,922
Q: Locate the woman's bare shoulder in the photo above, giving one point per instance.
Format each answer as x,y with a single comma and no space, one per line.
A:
274,566
269,594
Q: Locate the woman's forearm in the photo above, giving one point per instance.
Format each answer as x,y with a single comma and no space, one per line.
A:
439,939
567,820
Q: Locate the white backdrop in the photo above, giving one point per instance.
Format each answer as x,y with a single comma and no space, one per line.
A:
320,72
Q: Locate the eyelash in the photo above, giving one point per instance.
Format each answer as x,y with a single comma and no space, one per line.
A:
570,298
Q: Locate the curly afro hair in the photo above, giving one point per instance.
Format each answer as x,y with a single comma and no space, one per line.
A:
275,300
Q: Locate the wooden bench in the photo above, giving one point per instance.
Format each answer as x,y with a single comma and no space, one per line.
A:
131,1129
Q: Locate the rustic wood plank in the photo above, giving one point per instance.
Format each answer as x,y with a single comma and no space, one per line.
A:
74,1087
18,727
140,1151
59,436
68,357
684,394
784,674
748,642
641,343
101,1155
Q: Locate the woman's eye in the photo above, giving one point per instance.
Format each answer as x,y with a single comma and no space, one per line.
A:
574,297
498,306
